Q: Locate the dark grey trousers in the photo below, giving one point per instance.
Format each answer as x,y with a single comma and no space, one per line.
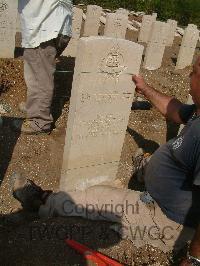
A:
39,68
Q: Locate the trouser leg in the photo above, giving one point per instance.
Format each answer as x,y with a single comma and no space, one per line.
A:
96,203
39,68
39,71
133,219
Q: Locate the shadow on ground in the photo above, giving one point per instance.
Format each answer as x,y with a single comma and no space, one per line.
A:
62,85
146,144
8,140
32,241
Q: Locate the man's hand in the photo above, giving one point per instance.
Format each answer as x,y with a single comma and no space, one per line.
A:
140,84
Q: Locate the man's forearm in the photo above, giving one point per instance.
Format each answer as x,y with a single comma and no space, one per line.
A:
167,105
158,99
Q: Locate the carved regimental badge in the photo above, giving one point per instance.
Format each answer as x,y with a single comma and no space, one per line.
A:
113,63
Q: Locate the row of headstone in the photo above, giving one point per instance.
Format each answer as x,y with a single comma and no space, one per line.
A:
157,35
115,26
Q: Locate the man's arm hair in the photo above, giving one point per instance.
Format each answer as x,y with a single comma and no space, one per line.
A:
168,106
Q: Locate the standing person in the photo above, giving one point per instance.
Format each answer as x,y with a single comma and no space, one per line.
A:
46,31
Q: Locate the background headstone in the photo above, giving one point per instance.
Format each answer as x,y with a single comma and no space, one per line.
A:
172,31
189,101
154,15
92,21
122,11
146,28
116,25
18,36
156,46
8,17
188,45
18,23
71,49
100,105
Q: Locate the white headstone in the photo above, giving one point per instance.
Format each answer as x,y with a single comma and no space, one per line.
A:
188,45
71,49
100,105
116,25
154,15
92,21
156,46
122,11
8,17
18,36
146,28
18,23
172,31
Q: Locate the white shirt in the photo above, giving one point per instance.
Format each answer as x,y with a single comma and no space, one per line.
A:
43,20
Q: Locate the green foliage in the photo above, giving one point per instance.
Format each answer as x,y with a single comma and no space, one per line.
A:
184,11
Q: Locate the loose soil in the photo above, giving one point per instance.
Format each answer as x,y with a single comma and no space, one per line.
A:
26,240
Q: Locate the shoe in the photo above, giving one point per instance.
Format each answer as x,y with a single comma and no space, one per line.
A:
140,161
25,127
28,193
22,107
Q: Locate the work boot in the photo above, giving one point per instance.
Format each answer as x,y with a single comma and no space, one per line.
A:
28,193
140,161
25,127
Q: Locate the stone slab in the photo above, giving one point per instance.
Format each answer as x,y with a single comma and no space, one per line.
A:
172,31
185,57
154,15
122,11
92,21
18,36
77,22
18,23
156,46
188,46
102,95
153,56
77,17
159,33
116,25
8,17
189,101
146,28
191,36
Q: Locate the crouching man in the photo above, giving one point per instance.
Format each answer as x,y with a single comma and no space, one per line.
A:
167,215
